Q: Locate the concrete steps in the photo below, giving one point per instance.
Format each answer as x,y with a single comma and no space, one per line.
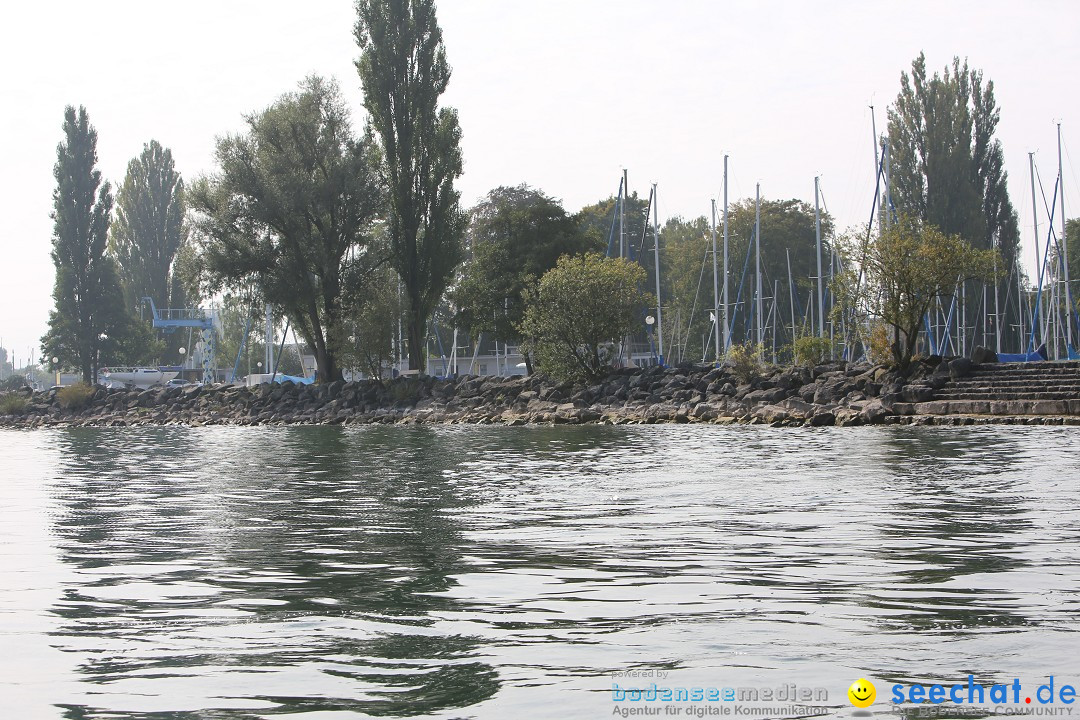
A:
1007,389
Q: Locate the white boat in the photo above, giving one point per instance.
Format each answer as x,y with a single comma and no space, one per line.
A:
137,377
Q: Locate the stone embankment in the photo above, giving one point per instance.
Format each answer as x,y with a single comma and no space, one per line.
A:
935,391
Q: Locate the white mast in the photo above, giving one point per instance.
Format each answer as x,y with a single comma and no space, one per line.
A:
757,258
727,325
656,259
888,186
820,279
877,173
1064,251
268,350
791,293
715,284
622,212
1038,261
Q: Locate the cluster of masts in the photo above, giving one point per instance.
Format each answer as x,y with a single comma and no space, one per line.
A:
1045,323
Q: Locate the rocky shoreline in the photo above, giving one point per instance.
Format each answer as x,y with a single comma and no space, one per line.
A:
835,394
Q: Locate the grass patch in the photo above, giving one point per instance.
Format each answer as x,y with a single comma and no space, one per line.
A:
12,404
75,397
745,361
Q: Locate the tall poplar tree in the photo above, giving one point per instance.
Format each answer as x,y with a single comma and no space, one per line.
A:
403,70
947,168
89,317
149,229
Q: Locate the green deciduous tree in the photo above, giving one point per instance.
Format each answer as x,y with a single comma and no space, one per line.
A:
403,70
516,235
88,324
787,227
150,228
373,325
686,286
601,222
903,271
578,310
290,213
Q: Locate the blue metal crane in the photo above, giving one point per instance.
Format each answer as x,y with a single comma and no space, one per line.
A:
171,319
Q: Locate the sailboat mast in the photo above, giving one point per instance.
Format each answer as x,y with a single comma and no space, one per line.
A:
820,279
715,283
1065,251
997,310
888,187
622,213
791,293
1038,260
727,324
757,260
656,262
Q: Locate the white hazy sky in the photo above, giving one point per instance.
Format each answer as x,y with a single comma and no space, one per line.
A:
560,94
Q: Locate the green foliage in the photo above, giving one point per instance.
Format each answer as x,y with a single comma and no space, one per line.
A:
89,306
372,327
12,404
517,234
75,397
403,70
947,169
904,270
745,362
595,221
810,350
237,312
786,225
150,227
290,214
879,348
686,288
578,309
13,382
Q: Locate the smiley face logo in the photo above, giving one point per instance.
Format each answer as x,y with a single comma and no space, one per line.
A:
862,693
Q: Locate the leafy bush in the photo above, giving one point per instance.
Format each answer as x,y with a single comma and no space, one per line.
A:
75,397
15,382
880,350
745,361
576,312
12,404
810,350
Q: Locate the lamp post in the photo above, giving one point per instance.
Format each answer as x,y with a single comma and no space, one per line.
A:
650,321
56,369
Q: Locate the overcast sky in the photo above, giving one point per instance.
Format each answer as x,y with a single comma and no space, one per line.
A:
560,94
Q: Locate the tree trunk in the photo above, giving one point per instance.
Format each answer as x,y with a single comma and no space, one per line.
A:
415,340
327,368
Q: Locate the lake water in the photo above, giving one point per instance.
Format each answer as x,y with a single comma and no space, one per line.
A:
488,572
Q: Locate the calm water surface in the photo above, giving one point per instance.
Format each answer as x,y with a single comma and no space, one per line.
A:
485,572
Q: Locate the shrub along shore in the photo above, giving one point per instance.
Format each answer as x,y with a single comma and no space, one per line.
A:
830,394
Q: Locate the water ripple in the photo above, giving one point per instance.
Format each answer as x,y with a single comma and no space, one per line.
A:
486,572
